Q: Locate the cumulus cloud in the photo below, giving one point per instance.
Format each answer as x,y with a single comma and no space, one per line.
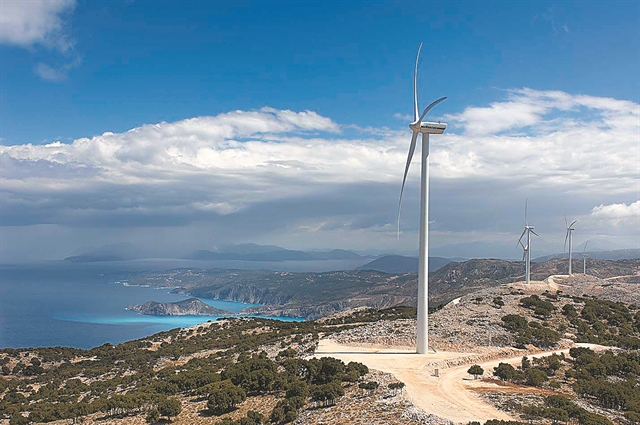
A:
617,212
26,23
297,176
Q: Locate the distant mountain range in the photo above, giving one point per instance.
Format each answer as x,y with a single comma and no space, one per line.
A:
273,253
402,264
618,254
240,252
277,254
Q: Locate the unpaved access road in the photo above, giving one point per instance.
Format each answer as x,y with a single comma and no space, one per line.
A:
450,395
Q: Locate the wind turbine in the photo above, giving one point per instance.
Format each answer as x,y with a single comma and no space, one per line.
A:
425,128
526,257
584,258
568,236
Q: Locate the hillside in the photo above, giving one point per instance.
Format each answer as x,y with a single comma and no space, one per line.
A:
313,295
354,367
618,254
402,264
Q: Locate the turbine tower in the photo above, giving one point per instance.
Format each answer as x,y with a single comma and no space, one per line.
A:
584,258
526,256
424,128
568,236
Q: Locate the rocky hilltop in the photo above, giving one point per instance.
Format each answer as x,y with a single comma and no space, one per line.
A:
189,307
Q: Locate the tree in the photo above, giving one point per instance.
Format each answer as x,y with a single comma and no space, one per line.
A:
225,398
534,376
327,394
153,416
396,386
371,386
277,415
556,415
252,418
169,407
475,370
298,389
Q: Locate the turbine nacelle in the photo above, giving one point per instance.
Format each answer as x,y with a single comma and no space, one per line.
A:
428,127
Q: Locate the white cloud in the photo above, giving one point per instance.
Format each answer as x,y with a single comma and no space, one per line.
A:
26,23
617,212
277,171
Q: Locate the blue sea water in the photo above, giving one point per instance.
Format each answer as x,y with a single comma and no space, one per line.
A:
83,305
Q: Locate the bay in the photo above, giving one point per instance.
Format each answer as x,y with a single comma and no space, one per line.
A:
84,305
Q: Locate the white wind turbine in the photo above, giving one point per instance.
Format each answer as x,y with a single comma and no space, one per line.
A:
568,236
584,258
526,257
424,128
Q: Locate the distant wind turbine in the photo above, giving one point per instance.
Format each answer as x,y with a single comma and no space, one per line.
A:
424,128
526,257
568,236
584,258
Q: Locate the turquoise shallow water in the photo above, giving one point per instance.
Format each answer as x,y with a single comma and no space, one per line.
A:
83,305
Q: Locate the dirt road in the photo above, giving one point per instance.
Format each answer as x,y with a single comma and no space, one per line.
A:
450,395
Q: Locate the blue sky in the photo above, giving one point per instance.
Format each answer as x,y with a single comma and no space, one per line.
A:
141,62
77,69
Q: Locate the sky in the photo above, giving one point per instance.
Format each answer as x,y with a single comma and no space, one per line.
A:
176,126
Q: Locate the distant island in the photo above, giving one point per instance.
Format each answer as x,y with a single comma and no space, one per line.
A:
188,307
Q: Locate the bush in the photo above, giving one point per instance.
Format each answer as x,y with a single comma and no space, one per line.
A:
514,322
169,407
371,385
298,389
504,371
544,337
153,416
534,302
18,419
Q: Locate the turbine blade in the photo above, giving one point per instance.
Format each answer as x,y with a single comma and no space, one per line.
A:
521,236
585,247
565,241
428,108
526,202
566,223
534,233
574,222
415,86
412,149
524,254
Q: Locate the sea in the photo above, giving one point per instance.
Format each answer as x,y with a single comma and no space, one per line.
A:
83,305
